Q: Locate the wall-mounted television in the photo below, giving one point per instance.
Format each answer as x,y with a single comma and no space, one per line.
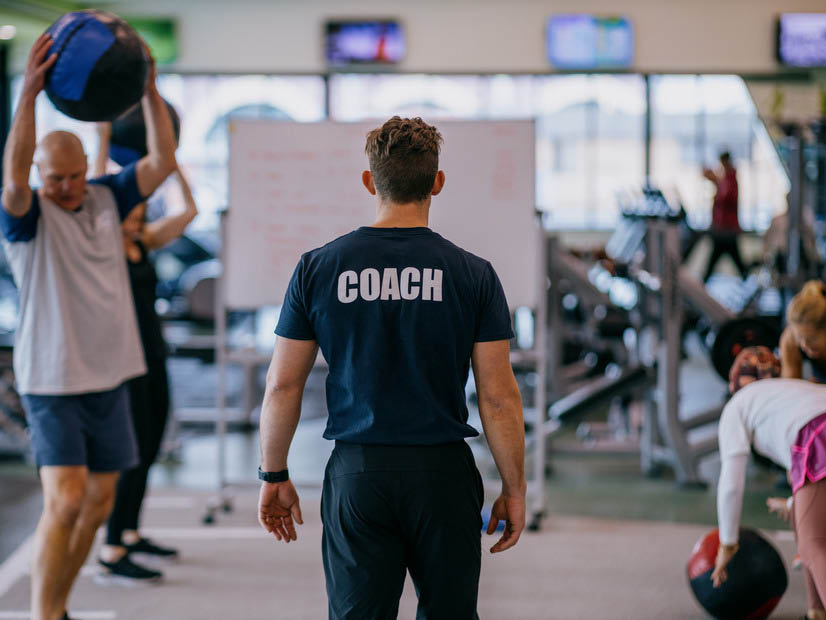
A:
582,41
801,39
364,42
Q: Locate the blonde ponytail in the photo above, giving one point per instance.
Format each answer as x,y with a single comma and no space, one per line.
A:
808,307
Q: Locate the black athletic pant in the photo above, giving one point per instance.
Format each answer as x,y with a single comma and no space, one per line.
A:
149,400
724,243
391,509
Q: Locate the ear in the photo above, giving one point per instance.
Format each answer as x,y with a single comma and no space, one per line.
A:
438,183
367,180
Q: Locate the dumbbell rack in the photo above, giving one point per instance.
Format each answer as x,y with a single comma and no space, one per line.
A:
665,432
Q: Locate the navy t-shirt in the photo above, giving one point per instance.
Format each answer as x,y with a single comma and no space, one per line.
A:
395,312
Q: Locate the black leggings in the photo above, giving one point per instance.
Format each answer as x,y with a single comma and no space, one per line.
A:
149,400
724,243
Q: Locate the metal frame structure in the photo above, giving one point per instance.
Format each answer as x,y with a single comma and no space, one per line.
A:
665,432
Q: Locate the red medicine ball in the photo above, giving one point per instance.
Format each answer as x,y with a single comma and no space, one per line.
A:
756,577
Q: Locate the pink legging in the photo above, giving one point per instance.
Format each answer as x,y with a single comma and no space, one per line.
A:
809,518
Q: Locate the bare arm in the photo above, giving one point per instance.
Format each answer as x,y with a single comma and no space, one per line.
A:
500,407
166,229
104,135
291,363
710,175
791,361
159,161
21,142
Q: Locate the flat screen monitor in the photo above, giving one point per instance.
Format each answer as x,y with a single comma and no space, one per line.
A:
365,42
584,41
801,39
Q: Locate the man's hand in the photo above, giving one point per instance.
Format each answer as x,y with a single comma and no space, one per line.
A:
724,555
152,71
511,509
34,77
779,506
278,508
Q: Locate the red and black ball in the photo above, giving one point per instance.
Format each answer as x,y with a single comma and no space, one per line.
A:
752,364
756,581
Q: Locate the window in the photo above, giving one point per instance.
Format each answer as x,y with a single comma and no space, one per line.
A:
589,127
205,103
694,119
590,131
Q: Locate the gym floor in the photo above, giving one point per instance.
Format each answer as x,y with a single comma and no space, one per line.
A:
614,543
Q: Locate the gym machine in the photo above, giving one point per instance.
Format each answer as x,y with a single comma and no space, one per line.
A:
668,290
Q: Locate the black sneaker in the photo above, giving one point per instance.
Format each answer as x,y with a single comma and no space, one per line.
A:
147,547
65,616
125,571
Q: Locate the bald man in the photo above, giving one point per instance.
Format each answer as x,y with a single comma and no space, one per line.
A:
77,339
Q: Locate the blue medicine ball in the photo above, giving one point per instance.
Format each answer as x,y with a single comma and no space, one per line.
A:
101,66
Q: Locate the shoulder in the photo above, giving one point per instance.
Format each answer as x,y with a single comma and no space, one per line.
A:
477,264
315,260
331,248
751,394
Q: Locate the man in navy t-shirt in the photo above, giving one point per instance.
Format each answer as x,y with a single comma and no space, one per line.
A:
399,313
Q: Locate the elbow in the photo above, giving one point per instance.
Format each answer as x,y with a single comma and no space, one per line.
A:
502,406
162,162
169,164
16,199
279,388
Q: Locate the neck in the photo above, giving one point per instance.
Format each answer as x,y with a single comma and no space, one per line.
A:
409,215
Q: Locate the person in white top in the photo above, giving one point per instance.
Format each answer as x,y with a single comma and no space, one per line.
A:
77,339
784,420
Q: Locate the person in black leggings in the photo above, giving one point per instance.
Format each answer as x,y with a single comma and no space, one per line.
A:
149,393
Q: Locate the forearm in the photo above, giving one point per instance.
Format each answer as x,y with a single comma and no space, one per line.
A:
104,136
505,433
160,134
186,192
791,370
17,158
791,361
279,418
165,230
730,490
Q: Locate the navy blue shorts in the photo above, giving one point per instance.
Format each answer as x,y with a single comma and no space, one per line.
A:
92,429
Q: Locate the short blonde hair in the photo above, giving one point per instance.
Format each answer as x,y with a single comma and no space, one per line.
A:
808,307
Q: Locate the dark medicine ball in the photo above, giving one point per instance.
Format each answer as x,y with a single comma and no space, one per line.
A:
756,578
752,364
128,140
101,66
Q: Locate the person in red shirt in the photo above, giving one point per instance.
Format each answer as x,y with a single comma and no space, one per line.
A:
724,223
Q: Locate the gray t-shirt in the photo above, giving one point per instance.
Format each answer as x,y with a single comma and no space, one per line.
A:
77,331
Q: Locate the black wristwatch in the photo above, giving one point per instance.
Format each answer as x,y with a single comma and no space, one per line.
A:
274,476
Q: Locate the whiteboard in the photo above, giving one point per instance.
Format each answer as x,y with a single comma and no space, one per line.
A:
295,186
